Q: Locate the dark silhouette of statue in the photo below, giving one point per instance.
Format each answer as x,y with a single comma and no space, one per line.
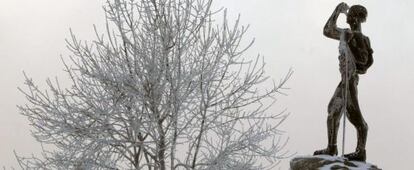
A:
355,58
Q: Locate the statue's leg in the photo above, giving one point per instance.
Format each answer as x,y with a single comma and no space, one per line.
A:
334,116
355,117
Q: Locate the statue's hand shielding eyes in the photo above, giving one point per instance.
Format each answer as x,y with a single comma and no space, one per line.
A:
342,7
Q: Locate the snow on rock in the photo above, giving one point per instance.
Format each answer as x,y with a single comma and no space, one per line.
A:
325,162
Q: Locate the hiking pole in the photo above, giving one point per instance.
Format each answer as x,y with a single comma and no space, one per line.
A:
344,51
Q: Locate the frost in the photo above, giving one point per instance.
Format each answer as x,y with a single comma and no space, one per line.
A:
164,87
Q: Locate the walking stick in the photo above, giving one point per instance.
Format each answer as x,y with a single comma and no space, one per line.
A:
344,50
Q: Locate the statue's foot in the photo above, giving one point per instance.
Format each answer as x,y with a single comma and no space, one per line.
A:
358,155
330,150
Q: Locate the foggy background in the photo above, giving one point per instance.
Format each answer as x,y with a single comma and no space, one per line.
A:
288,33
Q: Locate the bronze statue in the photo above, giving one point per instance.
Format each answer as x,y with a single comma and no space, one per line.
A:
355,58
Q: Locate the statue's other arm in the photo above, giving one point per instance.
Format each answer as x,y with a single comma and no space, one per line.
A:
331,30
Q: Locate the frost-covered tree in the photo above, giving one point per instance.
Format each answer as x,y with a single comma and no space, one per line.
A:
164,87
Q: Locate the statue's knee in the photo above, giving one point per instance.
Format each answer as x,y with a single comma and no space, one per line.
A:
335,105
330,110
331,116
363,127
333,109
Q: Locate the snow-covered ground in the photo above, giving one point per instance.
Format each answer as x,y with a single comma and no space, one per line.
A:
325,162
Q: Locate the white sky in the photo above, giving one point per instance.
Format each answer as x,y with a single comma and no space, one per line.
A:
288,33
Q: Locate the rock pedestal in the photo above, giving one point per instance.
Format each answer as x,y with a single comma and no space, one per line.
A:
325,162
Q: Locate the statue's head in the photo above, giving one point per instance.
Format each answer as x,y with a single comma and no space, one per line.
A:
356,14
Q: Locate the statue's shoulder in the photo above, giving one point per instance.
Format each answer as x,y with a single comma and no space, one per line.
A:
365,37
366,41
359,39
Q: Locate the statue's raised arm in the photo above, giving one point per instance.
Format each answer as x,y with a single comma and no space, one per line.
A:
331,30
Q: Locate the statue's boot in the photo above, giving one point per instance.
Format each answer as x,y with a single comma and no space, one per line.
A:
333,125
330,150
358,155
